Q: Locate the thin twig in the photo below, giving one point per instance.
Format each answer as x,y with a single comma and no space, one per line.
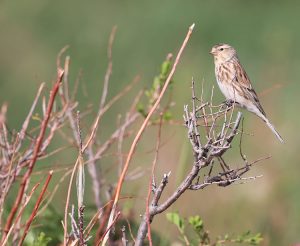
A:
21,210
109,227
67,202
142,128
109,68
36,207
152,180
223,182
36,151
105,108
26,122
124,240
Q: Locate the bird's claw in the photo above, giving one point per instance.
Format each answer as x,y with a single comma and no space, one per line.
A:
229,103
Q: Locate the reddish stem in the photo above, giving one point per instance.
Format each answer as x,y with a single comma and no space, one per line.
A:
36,151
108,229
36,207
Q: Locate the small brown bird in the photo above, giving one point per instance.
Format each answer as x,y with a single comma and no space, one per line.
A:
235,84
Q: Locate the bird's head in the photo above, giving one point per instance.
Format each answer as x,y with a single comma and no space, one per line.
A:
222,53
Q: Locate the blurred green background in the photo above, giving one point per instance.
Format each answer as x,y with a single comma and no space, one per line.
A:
266,36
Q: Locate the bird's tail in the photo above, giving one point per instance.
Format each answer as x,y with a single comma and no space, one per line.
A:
264,118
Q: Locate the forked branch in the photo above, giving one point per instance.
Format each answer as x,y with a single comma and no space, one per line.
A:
209,143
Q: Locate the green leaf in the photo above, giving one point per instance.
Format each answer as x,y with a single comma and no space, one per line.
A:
156,83
165,68
255,240
167,116
141,109
176,220
247,238
148,93
41,240
197,223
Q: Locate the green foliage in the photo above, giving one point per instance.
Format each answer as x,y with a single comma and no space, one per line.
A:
41,240
196,222
153,92
167,115
36,235
159,80
202,237
176,220
247,238
198,226
141,109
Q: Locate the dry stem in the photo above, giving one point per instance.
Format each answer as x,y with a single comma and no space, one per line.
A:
36,151
142,128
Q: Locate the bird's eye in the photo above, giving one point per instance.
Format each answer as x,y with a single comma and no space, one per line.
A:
221,49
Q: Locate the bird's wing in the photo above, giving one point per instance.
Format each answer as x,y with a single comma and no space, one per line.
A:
242,79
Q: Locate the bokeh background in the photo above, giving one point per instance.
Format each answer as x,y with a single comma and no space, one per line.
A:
266,36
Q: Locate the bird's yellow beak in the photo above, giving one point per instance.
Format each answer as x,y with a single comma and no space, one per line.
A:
212,52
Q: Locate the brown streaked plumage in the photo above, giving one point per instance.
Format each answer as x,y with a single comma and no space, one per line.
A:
235,83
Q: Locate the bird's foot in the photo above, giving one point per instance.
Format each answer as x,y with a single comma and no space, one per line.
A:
229,103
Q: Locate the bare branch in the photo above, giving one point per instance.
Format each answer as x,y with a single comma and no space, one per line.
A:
142,128
37,148
36,207
218,141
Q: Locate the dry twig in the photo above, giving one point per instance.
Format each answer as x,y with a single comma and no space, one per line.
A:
141,130
36,151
